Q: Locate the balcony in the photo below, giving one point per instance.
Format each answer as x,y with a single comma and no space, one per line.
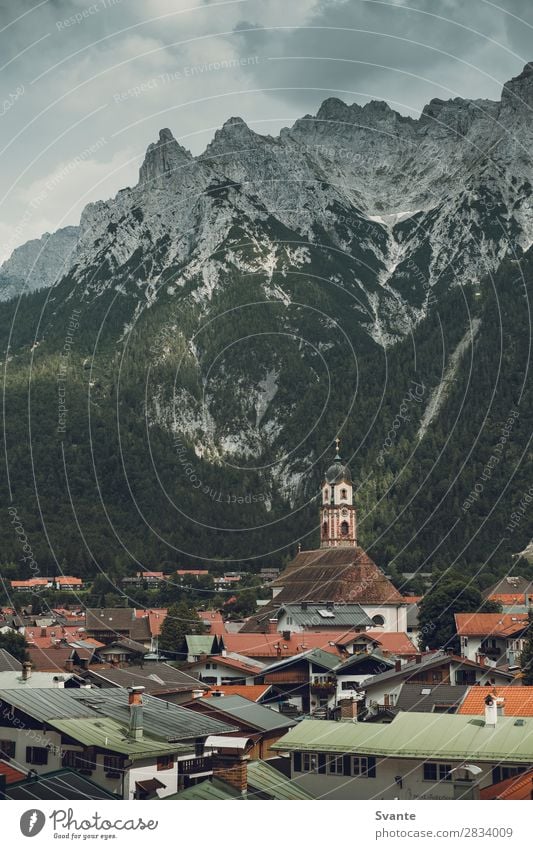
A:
194,766
323,688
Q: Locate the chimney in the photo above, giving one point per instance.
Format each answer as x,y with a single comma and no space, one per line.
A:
69,665
233,769
135,702
493,706
418,658
26,670
198,693
272,626
397,666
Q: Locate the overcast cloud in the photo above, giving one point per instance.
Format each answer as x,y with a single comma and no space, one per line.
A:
85,86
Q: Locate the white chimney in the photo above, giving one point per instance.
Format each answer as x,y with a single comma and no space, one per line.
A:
491,710
26,670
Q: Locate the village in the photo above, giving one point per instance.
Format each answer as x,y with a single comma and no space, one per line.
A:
325,691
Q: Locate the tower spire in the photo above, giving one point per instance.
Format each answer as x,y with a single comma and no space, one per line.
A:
337,512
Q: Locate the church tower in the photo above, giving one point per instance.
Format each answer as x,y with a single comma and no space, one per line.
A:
338,520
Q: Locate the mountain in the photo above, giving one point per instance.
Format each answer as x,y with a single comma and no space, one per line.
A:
218,323
38,263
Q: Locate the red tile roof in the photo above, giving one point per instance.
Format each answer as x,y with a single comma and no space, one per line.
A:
393,642
250,691
520,787
413,599
493,624
250,668
11,773
275,646
511,598
518,700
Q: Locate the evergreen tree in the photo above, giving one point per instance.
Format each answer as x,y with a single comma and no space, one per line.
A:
436,618
15,644
180,621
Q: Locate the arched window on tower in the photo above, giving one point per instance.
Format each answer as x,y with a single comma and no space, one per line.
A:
344,494
325,529
325,494
344,529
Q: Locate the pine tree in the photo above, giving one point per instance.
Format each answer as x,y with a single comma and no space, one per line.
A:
180,621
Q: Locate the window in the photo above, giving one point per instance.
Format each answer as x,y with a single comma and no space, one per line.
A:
349,685
378,619
344,494
500,773
436,676
325,494
325,529
344,529
36,755
335,765
211,666
359,766
309,762
465,676
165,762
437,772
7,748
113,763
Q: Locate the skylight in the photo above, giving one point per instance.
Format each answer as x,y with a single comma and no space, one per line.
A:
326,614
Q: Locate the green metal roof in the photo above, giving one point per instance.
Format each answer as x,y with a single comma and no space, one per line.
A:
199,643
419,735
208,789
337,615
263,778
322,658
112,735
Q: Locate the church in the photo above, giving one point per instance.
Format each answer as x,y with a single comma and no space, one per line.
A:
338,573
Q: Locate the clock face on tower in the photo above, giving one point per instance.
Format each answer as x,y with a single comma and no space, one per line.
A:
344,512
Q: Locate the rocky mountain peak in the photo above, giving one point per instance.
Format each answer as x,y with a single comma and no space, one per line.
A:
519,90
235,134
163,161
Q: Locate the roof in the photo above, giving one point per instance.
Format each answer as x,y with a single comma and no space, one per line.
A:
361,657
436,658
276,646
198,644
8,663
495,624
519,787
318,657
418,735
59,784
247,713
253,692
346,575
155,677
210,789
240,665
50,659
264,779
518,700
47,680
333,615
512,599
425,698
10,773
394,642
92,716
515,584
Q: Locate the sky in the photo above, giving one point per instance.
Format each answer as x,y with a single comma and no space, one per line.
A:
86,86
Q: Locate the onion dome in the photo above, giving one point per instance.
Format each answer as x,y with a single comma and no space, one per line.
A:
338,471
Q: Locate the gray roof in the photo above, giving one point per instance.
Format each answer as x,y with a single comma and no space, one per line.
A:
161,719
8,663
247,712
12,680
317,657
334,616
360,657
425,697
427,661
154,677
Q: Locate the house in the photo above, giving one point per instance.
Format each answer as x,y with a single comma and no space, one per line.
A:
511,586
497,638
381,691
261,725
350,673
304,682
512,701
123,650
131,744
340,571
227,668
297,618
238,778
32,584
67,582
109,624
416,756
200,645
158,679
9,774
517,788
